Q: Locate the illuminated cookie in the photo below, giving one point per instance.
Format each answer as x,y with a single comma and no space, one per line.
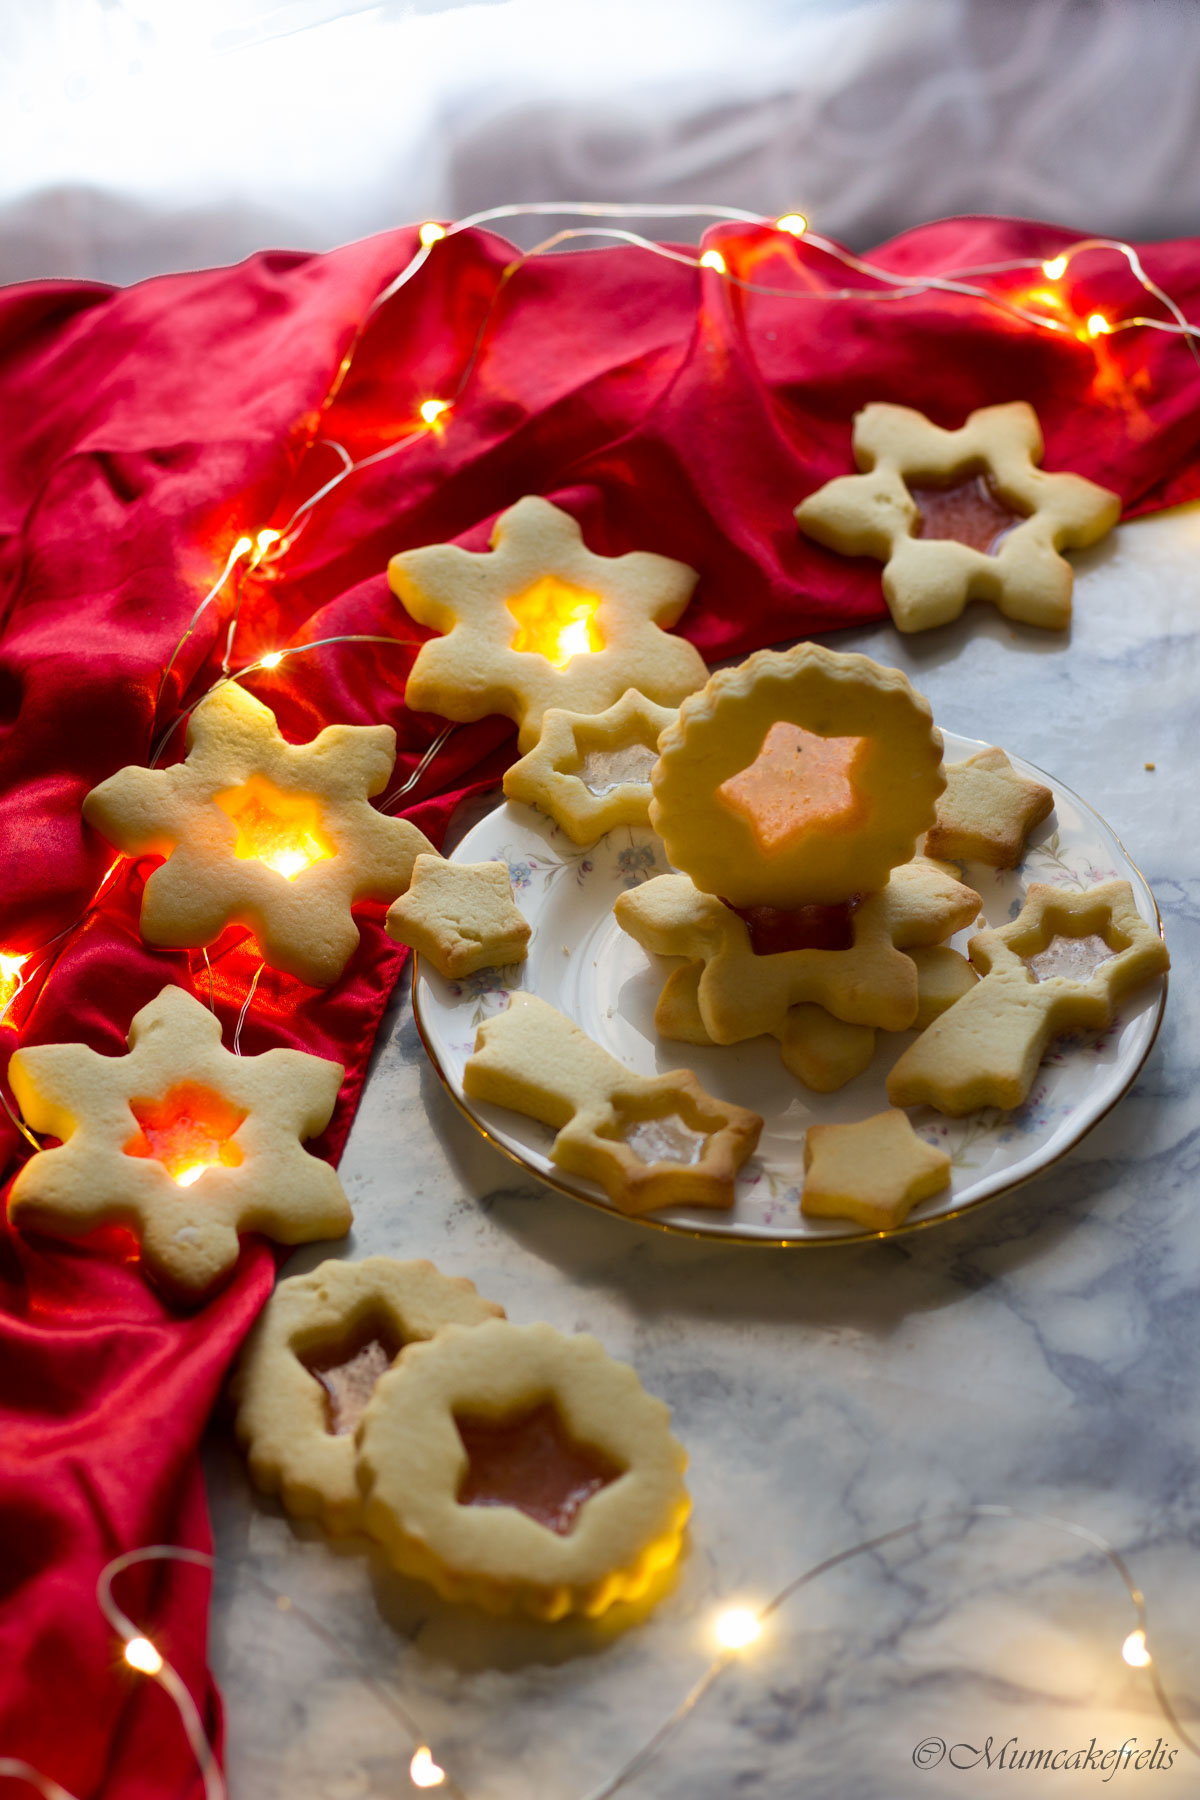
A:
181,1141
800,776
874,1171
649,1141
256,831
312,1363
1063,964
745,990
819,1050
591,771
520,1469
943,977
960,515
461,916
543,622
987,811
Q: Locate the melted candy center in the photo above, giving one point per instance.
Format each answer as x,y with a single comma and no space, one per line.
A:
604,770
530,1463
797,780
774,929
971,512
189,1130
349,1373
669,1139
1077,958
556,620
282,830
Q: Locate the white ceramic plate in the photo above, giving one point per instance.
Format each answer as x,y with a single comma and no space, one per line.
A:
581,962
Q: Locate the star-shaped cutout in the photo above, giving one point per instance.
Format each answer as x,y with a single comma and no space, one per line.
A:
987,811
1062,964
461,916
591,771
541,621
256,831
180,1140
742,993
874,1171
960,515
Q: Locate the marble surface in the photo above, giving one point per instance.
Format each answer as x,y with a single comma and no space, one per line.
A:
1038,1353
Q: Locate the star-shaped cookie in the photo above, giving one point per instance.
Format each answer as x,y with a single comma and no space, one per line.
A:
591,771
960,515
987,811
461,916
874,1171
180,1140
256,831
1062,964
541,621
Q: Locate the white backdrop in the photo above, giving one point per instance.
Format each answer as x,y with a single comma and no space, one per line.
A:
143,135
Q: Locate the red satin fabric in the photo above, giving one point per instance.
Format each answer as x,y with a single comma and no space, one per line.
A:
145,430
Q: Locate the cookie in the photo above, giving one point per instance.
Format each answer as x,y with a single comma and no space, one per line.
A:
461,916
745,990
874,1171
543,622
822,1052
960,515
799,777
256,831
519,1469
590,772
312,1362
943,977
1063,964
649,1141
987,811
181,1141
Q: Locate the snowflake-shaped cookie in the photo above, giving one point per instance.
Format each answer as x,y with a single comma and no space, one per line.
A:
1062,964
180,1140
960,515
591,771
256,831
541,621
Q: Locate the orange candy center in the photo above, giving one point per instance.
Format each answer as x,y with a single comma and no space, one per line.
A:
797,780
556,620
530,1463
188,1131
971,512
282,830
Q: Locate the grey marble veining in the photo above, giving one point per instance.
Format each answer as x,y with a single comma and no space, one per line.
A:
1038,1353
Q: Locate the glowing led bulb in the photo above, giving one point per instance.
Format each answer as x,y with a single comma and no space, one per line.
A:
1134,1650
271,660
1054,268
1098,325
187,1176
423,1770
431,231
712,259
243,544
266,538
796,223
141,1654
10,977
736,1627
432,410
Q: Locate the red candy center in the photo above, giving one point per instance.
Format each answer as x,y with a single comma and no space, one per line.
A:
971,512
530,1463
774,929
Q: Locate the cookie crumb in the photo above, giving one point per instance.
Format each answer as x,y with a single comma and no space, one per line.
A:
1149,766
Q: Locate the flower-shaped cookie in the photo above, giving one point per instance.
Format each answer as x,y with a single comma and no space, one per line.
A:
520,1469
1063,964
743,992
591,771
987,811
180,1140
800,776
960,515
649,1141
873,1171
312,1363
541,621
461,916
256,831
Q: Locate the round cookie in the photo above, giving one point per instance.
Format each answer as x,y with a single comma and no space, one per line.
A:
800,777
297,1428
521,1469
